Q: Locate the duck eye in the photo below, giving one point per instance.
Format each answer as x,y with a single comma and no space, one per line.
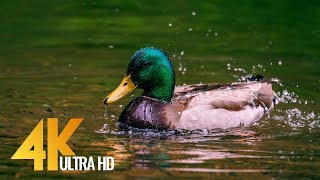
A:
145,64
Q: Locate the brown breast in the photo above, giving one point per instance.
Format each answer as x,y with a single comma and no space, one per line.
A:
144,112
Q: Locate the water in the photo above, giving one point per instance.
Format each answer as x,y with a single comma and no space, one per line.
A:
60,59
105,112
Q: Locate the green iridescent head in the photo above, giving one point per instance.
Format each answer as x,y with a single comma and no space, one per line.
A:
151,70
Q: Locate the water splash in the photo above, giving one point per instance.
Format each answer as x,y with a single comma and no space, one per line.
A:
182,65
292,113
113,117
200,135
105,115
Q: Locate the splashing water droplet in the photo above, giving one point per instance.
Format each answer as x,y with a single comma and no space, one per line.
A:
205,131
105,115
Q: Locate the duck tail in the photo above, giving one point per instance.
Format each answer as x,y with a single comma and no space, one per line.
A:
257,77
261,78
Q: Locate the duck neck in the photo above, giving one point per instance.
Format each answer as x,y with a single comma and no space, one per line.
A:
163,93
162,88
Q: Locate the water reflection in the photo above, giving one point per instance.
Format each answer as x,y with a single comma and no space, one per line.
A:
219,170
146,148
238,150
202,155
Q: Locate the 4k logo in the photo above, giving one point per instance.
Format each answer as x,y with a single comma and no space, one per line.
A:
55,143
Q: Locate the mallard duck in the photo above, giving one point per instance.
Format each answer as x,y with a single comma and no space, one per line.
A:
199,106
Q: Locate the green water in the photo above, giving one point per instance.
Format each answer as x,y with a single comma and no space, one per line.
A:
60,59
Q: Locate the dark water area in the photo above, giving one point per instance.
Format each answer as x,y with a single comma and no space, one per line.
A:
61,58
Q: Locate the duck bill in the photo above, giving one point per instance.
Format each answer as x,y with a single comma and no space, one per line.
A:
126,86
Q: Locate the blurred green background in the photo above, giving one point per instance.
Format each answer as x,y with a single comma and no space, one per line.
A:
102,35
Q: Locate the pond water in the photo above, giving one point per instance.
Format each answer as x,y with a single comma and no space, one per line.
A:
60,59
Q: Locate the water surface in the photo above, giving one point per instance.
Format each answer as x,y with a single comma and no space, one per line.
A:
60,59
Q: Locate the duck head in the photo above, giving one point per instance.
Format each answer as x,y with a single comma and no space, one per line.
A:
151,70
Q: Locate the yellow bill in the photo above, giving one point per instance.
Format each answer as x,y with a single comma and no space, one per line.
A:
125,87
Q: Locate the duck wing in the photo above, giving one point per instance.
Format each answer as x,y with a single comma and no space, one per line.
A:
222,105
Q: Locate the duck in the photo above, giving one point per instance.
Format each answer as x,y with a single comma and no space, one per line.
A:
165,106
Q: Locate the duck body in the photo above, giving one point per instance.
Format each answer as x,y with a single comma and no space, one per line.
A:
203,106
162,105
